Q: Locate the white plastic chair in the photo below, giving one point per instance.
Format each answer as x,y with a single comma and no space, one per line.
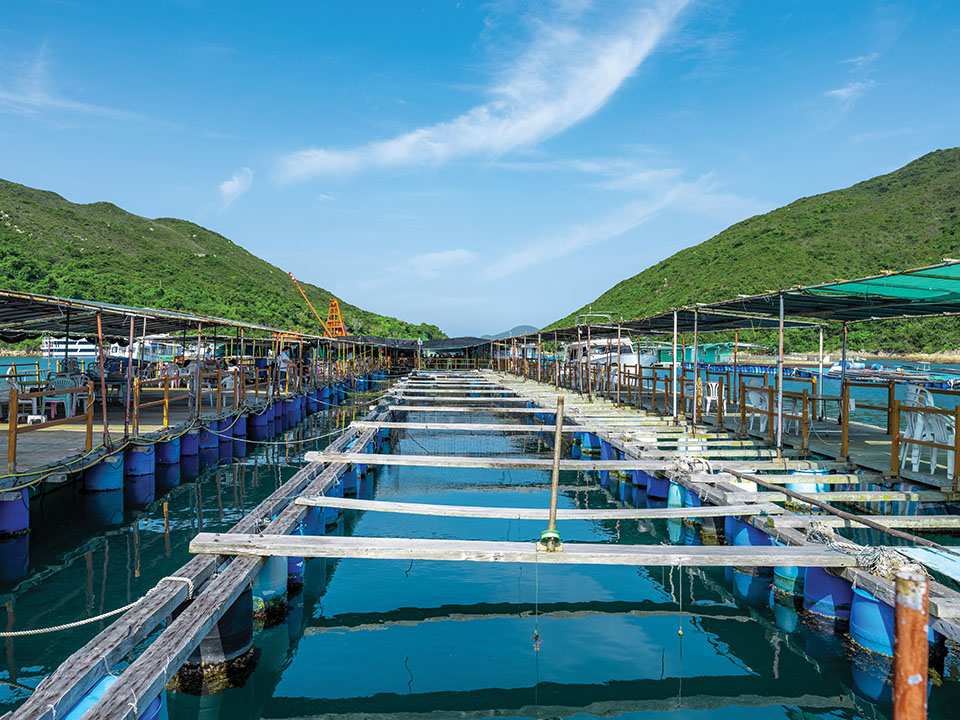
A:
758,402
8,385
943,431
711,398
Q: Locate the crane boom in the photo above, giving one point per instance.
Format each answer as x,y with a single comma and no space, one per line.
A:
319,319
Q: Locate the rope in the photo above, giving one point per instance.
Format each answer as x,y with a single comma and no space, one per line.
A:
103,616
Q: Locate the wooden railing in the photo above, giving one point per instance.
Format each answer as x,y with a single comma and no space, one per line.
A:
897,412
14,428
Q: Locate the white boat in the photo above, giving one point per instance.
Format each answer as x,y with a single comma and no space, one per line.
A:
150,349
55,348
604,353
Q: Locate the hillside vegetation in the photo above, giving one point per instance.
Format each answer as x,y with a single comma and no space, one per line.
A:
100,252
906,219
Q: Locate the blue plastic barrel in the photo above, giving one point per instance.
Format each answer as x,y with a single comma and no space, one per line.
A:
312,404
270,585
240,425
225,429
640,479
788,580
189,444
93,696
231,637
826,595
139,460
657,487
105,475
871,622
168,451
14,512
209,457
751,586
576,448
208,439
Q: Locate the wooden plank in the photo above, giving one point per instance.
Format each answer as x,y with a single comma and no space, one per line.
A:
837,479
860,496
922,522
944,562
374,548
452,391
525,463
406,508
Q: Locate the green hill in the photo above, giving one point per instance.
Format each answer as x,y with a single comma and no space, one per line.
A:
100,252
906,219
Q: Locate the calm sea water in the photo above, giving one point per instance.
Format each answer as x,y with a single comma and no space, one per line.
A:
432,640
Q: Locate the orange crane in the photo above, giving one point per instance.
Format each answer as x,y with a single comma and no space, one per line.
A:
334,326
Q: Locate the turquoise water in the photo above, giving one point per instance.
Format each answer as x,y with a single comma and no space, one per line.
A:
434,640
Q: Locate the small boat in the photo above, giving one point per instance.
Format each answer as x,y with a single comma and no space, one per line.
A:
613,354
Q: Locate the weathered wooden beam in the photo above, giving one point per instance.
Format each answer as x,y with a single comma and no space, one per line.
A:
374,548
525,463
860,496
538,513
921,522
421,397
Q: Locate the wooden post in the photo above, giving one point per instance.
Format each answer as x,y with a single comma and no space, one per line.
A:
589,366
13,410
780,383
845,420
911,615
166,400
696,368
551,538
89,414
805,428
619,369
743,409
895,441
720,401
891,390
771,429
220,393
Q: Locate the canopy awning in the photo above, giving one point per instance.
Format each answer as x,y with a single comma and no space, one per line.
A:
403,344
922,292
24,315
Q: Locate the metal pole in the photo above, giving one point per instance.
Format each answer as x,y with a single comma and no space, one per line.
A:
696,366
910,647
126,413
556,361
589,366
618,366
674,381
780,384
539,357
66,344
843,372
550,538
820,375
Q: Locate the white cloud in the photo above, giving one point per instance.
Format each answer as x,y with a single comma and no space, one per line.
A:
236,186
431,264
860,62
327,198
564,76
852,92
664,189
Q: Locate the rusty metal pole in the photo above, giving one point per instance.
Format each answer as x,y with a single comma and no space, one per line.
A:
619,368
910,647
126,412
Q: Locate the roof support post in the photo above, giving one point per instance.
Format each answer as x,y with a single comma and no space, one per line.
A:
618,366
66,343
843,371
673,374
126,410
589,366
819,405
696,367
780,384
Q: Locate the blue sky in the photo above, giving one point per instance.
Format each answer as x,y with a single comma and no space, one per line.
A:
472,164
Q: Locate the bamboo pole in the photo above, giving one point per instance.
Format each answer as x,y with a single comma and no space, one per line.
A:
551,538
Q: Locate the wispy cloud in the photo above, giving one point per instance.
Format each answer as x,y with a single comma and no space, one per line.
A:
326,197
664,189
860,62
844,99
565,75
432,264
236,186
26,88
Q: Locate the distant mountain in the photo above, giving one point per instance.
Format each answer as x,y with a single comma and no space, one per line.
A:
906,219
518,330
51,246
